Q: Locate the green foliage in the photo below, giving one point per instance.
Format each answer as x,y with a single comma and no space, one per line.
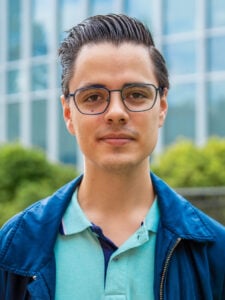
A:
186,165
27,176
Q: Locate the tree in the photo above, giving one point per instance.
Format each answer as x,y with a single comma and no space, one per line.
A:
185,165
27,176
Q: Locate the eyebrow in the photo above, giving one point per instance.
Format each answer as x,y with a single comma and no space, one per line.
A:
92,85
98,85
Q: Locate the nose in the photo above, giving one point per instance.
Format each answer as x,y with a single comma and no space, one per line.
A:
116,112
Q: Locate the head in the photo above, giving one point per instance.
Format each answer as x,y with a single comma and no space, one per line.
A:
112,28
117,53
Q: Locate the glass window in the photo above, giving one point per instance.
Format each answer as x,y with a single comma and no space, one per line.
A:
181,57
39,122
215,53
39,77
216,107
67,143
1,83
180,120
59,76
13,121
42,26
144,10
215,13
13,81
101,7
14,29
71,12
178,16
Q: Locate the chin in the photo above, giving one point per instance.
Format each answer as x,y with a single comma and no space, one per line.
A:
120,166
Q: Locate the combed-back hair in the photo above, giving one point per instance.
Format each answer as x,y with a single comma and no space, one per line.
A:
112,28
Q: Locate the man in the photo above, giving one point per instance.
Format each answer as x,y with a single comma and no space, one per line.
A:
117,232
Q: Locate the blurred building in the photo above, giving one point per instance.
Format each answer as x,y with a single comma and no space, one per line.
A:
191,35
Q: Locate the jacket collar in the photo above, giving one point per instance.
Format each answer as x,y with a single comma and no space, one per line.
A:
179,216
32,233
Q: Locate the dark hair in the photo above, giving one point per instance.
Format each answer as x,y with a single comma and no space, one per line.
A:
111,28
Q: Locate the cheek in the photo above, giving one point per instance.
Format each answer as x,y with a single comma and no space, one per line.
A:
150,128
152,120
83,132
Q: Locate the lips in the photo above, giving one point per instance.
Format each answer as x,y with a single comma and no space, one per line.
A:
117,139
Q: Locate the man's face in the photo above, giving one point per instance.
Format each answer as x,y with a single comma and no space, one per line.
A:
118,139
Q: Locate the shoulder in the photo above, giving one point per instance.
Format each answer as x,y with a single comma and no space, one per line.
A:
41,219
182,218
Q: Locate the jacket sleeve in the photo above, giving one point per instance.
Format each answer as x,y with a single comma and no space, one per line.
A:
13,286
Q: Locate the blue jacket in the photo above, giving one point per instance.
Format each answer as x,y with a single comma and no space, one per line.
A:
189,260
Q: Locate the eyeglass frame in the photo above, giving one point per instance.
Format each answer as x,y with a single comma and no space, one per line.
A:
157,90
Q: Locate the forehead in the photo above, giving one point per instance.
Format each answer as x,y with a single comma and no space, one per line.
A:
106,61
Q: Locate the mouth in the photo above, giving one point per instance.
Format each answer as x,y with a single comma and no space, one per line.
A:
118,139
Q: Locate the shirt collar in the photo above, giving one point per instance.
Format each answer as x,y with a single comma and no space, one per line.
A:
74,219
151,221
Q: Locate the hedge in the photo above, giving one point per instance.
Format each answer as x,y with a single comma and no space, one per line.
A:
27,176
183,164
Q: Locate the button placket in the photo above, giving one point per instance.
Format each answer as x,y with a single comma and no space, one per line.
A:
116,278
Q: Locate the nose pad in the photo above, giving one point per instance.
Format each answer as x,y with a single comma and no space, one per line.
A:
116,111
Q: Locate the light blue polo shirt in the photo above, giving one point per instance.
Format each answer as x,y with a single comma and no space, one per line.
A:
80,260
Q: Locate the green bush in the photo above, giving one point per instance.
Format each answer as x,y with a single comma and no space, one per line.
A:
186,165
27,176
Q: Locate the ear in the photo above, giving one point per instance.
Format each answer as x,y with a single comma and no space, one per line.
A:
67,115
163,107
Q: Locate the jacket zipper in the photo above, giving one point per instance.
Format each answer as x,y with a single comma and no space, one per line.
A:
161,293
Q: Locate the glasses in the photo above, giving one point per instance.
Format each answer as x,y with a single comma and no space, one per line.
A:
94,100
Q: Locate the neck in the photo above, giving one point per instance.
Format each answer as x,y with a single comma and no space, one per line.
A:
116,201
112,192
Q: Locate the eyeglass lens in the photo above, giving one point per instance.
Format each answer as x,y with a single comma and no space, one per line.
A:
96,100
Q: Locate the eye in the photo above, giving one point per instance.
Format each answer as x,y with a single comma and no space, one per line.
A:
91,96
138,93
